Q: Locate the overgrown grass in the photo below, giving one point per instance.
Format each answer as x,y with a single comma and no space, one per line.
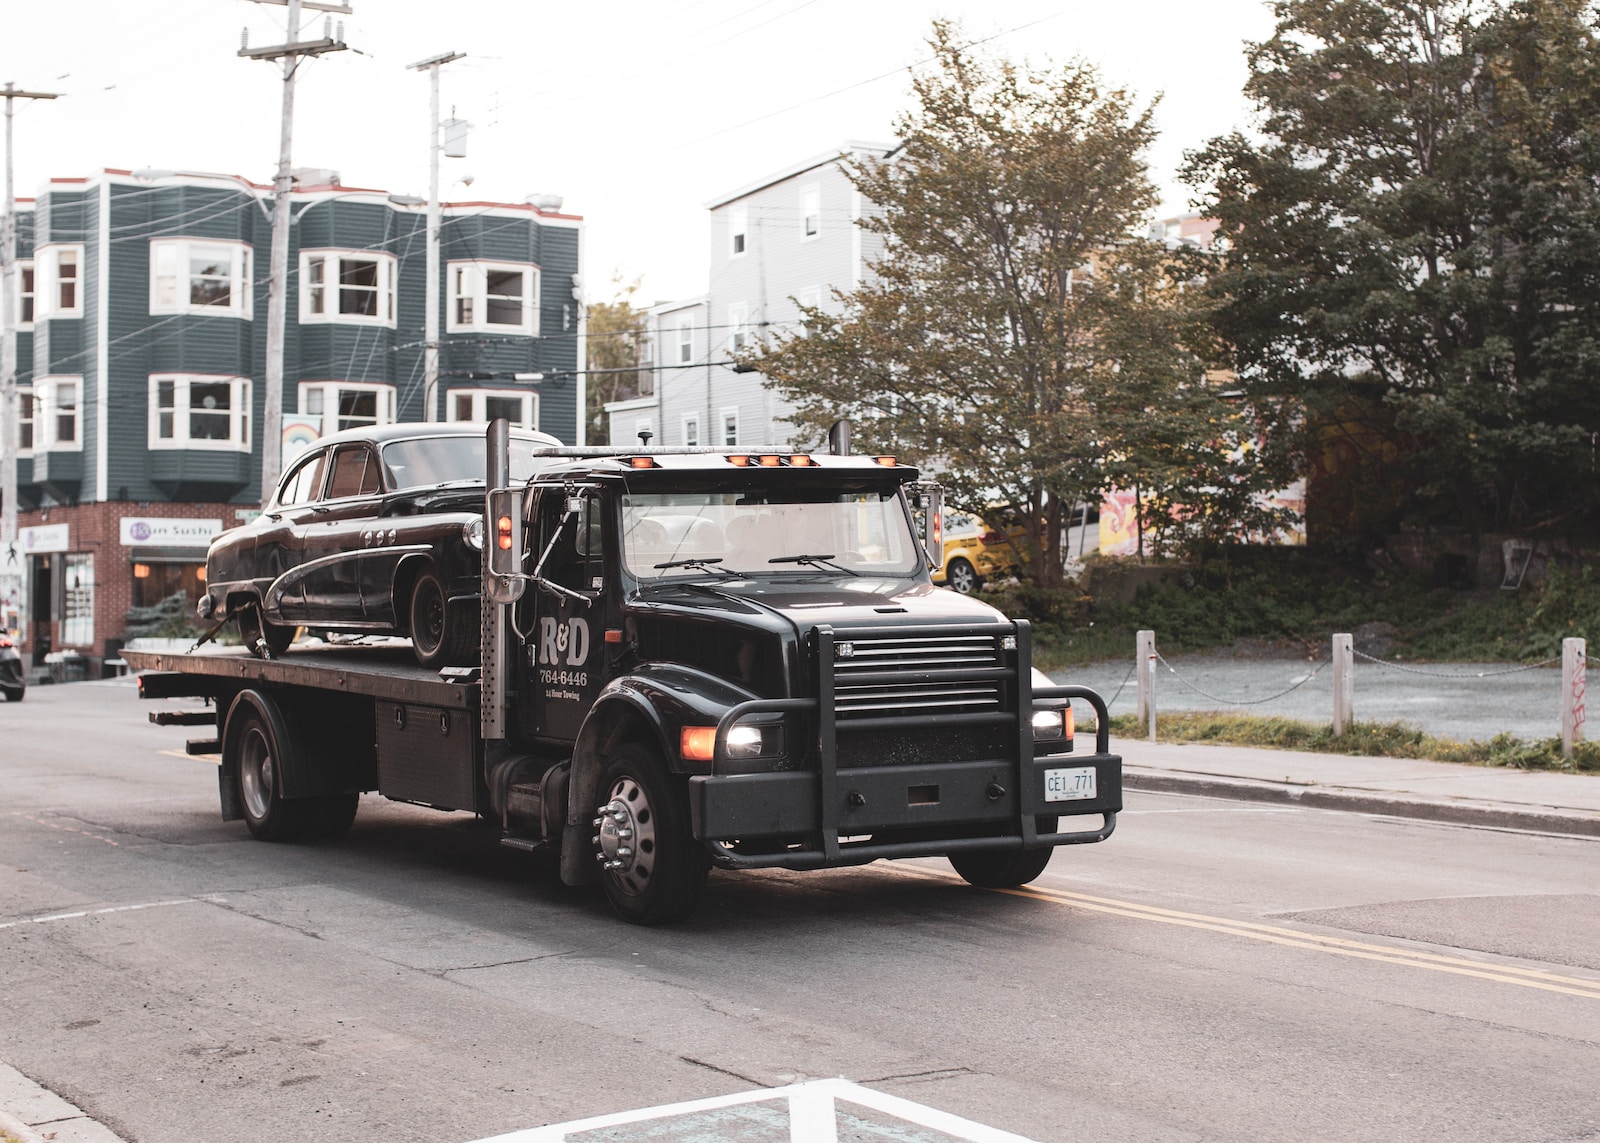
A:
1296,600
1372,739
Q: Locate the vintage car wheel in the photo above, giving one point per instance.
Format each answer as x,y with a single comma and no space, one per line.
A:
442,633
1005,869
256,631
652,869
961,576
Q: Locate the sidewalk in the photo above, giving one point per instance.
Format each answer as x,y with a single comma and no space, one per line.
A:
33,1114
1402,787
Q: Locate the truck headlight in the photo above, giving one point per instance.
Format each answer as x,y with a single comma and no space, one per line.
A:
746,741
1050,724
472,533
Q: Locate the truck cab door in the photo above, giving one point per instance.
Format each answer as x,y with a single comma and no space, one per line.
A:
566,639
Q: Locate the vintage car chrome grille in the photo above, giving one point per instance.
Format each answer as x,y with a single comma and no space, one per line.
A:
910,658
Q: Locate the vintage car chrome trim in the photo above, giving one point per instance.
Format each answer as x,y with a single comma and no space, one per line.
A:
294,575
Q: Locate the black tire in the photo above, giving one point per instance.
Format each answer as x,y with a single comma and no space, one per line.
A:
1005,869
443,634
268,814
328,818
256,631
962,577
652,869
14,694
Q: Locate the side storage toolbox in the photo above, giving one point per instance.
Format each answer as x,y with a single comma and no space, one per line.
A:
427,754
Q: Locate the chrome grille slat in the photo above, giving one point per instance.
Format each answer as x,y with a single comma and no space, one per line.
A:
916,657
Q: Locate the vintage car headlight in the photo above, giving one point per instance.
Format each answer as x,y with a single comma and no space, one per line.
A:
207,606
1049,724
472,533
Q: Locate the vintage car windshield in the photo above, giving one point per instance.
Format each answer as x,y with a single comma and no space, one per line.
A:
745,530
425,462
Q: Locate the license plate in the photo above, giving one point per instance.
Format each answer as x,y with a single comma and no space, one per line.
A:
1069,785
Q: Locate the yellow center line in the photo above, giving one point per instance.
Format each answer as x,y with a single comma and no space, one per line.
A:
1292,938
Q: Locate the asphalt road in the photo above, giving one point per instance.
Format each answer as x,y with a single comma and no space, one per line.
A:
1466,701
1216,970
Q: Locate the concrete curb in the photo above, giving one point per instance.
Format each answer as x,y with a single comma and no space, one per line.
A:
30,1113
1500,815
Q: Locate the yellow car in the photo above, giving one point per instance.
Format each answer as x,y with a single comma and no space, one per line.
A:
973,551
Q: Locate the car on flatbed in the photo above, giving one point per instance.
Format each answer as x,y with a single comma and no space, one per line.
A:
377,531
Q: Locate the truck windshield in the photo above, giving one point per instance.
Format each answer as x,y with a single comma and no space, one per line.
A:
745,531
425,462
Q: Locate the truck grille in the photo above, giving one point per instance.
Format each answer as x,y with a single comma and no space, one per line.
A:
914,675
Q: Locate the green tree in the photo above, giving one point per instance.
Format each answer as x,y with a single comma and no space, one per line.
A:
1412,249
1014,336
615,338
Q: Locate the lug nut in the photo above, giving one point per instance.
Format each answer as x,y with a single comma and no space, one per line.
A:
595,840
624,851
624,833
598,822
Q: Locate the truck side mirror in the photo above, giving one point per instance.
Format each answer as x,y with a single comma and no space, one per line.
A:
928,497
503,542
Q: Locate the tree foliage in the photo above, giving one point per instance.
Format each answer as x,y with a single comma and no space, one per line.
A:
1014,336
1413,249
615,335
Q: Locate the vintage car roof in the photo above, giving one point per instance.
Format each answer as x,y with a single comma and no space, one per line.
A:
736,460
411,430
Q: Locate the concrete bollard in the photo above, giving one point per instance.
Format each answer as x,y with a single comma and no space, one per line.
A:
1145,668
1344,684
1574,692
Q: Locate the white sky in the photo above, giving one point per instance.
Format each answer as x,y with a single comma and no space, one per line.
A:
637,112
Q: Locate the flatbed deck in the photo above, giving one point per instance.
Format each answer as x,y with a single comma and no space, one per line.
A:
380,672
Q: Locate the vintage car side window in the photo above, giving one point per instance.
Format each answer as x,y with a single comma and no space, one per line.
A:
304,482
354,474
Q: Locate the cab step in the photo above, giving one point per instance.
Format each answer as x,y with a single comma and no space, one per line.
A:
184,717
525,844
203,746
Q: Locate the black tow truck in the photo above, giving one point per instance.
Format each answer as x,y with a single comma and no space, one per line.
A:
690,658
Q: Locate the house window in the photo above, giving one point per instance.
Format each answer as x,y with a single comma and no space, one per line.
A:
59,282
56,415
685,341
691,429
484,405
738,319
191,276
493,296
730,426
647,366
810,212
25,421
738,230
200,412
25,295
357,288
809,298
347,405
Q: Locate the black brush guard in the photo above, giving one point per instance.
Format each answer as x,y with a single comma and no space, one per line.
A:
839,814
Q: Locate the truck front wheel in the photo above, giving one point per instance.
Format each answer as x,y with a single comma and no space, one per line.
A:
1005,869
652,869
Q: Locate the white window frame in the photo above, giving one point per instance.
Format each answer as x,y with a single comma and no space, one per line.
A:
469,281
811,212
479,399
738,326
808,298
25,393
738,231
329,398
239,396
240,285
329,289
691,430
47,408
47,281
27,299
730,417
685,340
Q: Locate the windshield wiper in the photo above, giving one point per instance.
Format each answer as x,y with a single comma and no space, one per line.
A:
703,563
819,561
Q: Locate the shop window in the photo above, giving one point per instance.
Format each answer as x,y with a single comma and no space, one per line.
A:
77,611
155,581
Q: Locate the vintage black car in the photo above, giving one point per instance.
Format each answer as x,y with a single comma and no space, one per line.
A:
377,531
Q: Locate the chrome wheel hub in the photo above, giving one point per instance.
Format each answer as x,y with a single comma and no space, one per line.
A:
256,776
625,845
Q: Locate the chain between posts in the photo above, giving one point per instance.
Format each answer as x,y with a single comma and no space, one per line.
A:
1457,675
1292,687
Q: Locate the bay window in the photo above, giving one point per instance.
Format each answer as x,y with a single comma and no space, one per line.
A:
188,275
56,412
58,281
484,405
499,296
347,404
199,412
25,295
356,287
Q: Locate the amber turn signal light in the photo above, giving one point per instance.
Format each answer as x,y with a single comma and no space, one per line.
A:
698,743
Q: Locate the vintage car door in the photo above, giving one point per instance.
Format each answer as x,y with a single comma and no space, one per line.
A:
332,539
567,648
278,553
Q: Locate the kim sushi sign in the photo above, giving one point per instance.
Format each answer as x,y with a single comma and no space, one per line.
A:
158,532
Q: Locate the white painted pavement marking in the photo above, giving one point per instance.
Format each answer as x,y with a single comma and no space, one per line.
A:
209,900
813,1115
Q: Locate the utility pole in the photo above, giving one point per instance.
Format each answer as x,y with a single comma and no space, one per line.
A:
430,321
8,337
278,283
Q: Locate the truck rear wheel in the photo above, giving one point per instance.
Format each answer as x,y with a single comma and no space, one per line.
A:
270,816
652,869
1008,868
